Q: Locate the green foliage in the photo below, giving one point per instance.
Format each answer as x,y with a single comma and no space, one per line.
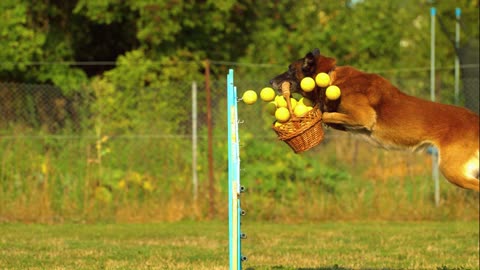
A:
158,49
145,97
275,170
70,80
104,11
21,43
370,34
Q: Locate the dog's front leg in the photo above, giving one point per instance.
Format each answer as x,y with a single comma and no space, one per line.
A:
357,119
341,119
353,112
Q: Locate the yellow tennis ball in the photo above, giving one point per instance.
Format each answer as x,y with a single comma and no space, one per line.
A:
307,84
282,114
267,94
249,97
322,79
333,92
300,110
280,101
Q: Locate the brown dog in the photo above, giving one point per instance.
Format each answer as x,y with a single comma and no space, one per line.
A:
370,105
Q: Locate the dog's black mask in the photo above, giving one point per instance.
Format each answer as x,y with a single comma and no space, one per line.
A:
297,70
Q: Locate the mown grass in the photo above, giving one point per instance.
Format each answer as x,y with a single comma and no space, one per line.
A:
204,245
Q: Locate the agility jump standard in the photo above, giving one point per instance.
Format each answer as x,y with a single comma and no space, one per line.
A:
234,188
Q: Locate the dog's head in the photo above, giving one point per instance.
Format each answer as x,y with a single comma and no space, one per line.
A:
309,66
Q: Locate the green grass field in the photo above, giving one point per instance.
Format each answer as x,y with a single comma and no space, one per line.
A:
204,245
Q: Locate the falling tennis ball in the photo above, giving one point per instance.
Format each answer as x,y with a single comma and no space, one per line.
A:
249,97
333,92
271,107
282,114
322,79
267,94
305,101
307,84
300,110
281,102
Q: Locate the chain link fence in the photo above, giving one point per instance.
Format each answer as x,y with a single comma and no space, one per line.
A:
95,148
44,108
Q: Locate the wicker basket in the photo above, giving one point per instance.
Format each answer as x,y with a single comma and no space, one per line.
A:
302,133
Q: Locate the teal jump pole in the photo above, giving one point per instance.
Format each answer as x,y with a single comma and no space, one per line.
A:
458,13
234,188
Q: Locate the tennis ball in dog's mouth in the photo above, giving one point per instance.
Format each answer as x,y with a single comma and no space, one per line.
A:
249,97
307,84
282,114
333,92
267,94
322,79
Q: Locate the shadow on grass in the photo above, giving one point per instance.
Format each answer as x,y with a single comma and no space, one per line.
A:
336,267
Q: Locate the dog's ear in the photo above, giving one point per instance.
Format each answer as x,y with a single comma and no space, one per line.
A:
308,66
316,52
325,64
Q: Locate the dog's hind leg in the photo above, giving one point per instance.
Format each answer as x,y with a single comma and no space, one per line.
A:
461,172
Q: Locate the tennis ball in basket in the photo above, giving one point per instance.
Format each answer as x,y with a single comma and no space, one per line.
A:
307,84
281,102
305,101
271,107
267,94
333,92
282,114
322,79
277,124
300,110
249,97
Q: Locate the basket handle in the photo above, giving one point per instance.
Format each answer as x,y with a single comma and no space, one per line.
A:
286,95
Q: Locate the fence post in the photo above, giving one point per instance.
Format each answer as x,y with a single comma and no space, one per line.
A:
432,97
211,181
194,142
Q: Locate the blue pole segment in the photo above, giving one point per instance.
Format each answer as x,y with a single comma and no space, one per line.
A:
233,176
230,166
237,177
